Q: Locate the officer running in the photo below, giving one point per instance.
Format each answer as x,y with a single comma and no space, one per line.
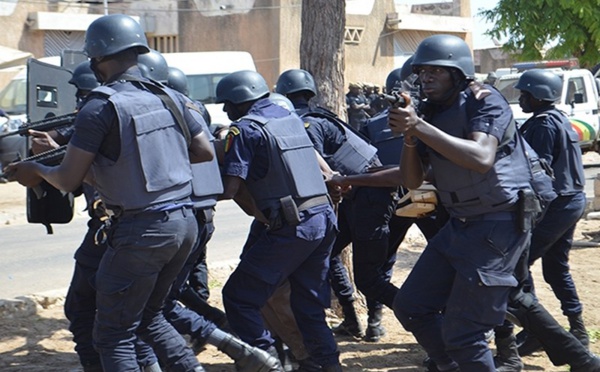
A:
268,151
474,255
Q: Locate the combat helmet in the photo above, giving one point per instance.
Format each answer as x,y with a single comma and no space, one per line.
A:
541,84
445,51
241,86
114,33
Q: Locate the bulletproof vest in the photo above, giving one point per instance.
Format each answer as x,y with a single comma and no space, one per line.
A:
206,181
293,167
355,154
389,147
153,165
465,192
569,176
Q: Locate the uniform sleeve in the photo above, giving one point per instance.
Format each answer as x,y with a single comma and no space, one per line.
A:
240,146
92,124
315,133
491,115
542,137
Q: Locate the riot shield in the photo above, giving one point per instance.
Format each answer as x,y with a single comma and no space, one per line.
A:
48,91
49,94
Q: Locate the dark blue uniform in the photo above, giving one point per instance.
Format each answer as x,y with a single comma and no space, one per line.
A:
356,116
550,134
459,287
299,253
154,228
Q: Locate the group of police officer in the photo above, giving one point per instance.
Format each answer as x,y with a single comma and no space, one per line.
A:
148,158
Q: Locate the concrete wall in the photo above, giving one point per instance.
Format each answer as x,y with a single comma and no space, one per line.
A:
372,59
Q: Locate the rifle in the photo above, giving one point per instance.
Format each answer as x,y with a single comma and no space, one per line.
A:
51,157
409,92
43,125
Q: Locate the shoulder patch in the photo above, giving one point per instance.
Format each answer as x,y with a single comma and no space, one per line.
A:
479,91
306,124
233,131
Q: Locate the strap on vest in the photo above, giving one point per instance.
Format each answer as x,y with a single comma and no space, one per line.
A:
168,101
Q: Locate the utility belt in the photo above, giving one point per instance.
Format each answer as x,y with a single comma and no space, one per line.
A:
111,213
115,211
290,208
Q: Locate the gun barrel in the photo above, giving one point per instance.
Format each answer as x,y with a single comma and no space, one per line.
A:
396,99
43,125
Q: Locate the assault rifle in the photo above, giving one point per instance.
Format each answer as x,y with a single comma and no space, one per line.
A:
408,92
43,125
50,157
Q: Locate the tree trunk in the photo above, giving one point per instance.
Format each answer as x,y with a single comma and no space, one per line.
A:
322,54
322,50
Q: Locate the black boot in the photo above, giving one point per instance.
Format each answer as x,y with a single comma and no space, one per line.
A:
374,328
507,357
248,358
350,326
527,344
577,329
593,365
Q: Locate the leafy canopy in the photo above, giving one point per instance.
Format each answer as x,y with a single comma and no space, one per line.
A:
568,28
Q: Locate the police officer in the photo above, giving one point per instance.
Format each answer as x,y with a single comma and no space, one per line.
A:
80,302
357,106
550,134
363,215
294,225
449,312
126,131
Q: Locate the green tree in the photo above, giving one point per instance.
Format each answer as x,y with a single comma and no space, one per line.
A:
569,27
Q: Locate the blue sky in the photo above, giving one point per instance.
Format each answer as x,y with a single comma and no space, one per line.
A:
479,26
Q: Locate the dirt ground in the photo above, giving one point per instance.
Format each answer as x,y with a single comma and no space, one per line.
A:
42,342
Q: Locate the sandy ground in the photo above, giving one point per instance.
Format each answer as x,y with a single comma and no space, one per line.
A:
42,342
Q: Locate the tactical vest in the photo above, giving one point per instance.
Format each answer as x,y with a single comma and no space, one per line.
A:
293,167
206,181
389,147
153,165
569,177
468,193
355,154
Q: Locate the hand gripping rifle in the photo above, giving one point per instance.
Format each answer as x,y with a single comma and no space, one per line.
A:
43,125
406,93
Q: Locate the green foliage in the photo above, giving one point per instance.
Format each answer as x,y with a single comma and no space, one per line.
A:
570,27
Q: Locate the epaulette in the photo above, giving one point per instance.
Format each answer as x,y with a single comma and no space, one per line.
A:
479,91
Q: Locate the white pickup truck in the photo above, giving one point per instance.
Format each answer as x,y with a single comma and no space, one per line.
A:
579,98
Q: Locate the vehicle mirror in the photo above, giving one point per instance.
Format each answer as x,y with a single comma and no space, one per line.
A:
578,98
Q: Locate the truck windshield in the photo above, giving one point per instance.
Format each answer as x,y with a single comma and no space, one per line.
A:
203,87
13,98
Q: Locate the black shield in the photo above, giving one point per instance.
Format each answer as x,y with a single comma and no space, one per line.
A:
48,91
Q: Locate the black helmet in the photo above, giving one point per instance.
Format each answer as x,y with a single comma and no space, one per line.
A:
296,80
83,77
445,51
112,34
177,80
241,86
154,66
283,101
398,75
541,84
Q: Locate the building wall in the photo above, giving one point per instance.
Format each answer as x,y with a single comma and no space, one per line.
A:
372,58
